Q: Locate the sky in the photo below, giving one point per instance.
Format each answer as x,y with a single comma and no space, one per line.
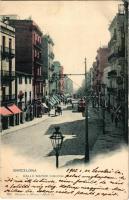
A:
78,28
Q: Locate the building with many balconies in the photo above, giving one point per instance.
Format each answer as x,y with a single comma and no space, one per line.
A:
48,67
116,60
28,52
7,73
7,64
98,68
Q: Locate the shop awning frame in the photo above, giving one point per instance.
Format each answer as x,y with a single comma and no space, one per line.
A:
14,109
5,112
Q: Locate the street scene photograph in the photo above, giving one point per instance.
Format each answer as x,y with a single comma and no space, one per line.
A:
64,91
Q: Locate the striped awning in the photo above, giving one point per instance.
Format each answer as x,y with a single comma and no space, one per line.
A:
14,109
4,111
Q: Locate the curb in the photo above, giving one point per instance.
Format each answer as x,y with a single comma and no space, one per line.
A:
23,126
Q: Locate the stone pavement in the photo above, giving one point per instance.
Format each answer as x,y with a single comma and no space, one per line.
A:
113,137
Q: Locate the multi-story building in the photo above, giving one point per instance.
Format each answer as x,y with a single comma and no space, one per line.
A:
24,90
106,84
98,71
48,67
116,60
7,64
95,74
61,80
68,86
90,79
7,72
56,77
28,52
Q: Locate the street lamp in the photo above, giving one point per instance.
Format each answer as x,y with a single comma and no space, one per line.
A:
103,108
57,141
86,119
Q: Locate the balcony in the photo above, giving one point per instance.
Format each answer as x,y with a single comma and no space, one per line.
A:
51,55
112,74
119,80
112,41
112,91
38,45
7,75
8,52
52,68
116,55
38,61
39,78
112,57
8,98
11,53
40,95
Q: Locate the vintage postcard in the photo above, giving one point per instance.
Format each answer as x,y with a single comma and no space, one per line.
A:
64,99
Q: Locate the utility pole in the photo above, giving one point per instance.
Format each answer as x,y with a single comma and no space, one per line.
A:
86,118
103,108
126,72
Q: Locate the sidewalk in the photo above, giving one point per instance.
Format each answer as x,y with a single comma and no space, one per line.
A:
29,123
25,125
113,137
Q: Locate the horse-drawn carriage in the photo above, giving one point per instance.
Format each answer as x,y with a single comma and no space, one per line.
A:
58,110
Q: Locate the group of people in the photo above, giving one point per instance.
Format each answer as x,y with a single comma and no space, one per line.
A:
116,115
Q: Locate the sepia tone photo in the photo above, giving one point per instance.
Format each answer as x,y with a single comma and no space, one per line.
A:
64,99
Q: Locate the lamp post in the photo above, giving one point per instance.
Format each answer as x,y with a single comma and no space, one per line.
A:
126,6
103,108
86,119
57,141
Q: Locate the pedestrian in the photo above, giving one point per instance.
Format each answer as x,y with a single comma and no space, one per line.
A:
112,115
116,121
49,110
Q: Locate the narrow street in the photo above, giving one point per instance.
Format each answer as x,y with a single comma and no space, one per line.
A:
33,143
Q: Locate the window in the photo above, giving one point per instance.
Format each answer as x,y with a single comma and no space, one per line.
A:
25,79
29,80
20,80
3,42
34,38
30,94
25,97
10,65
10,44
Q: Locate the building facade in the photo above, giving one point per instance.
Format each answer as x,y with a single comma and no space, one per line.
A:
24,91
48,68
98,69
61,80
68,86
56,77
24,88
28,52
7,73
90,79
116,60
7,64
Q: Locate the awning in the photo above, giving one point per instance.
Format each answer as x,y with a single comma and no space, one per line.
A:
44,105
4,111
56,98
14,109
53,100
50,102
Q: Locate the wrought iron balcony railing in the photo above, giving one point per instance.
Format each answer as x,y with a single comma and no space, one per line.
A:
7,52
7,75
